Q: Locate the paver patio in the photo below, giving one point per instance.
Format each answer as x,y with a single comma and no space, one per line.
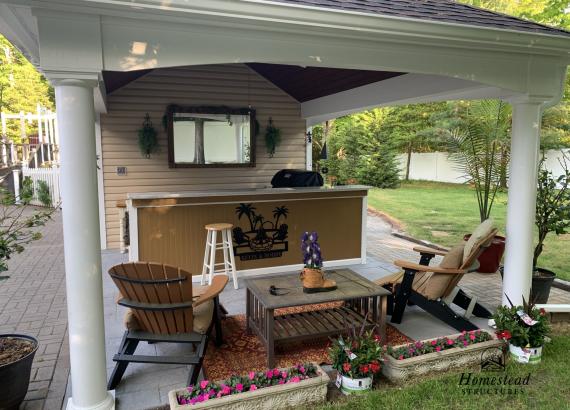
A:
33,302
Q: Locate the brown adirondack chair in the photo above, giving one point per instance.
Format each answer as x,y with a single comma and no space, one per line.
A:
434,288
163,309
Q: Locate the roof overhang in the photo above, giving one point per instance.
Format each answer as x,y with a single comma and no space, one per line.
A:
68,37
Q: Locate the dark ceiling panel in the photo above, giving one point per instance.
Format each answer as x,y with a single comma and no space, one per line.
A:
308,83
116,79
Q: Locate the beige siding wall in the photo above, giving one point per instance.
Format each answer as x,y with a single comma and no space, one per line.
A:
232,85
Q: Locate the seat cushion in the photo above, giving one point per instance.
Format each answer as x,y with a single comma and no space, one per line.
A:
454,258
202,317
479,234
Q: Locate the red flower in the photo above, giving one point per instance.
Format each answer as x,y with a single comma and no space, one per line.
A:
374,366
364,368
346,367
504,335
377,338
542,312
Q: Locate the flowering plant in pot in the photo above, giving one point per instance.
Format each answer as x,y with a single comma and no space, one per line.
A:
552,215
312,276
523,328
357,358
17,352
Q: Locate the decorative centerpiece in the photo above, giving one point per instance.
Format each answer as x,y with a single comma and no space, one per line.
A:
524,328
413,360
357,359
312,276
299,385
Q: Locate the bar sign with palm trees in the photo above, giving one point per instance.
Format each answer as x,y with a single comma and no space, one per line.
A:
264,238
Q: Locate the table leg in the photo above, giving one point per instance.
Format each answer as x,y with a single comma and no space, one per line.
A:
247,310
269,320
382,306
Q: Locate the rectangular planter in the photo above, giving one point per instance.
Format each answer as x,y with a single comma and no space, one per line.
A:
290,395
401,370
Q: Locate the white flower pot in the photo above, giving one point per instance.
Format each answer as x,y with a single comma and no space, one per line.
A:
351,386
532,355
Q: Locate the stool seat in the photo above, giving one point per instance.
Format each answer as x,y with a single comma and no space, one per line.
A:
218,226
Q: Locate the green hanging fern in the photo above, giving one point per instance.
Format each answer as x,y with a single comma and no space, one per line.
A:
148,142
272,137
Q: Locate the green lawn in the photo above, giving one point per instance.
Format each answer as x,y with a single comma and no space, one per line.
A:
443,213
548,388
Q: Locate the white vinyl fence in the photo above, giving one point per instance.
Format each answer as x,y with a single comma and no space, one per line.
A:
49,175
436,166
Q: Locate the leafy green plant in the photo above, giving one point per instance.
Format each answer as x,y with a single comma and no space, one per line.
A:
43,193
511,325
27,191
148,141
272,137
17,227
359,354
552,204
480,149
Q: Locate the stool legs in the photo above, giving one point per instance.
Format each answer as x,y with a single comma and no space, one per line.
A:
212,265
232,258
209,266
206,254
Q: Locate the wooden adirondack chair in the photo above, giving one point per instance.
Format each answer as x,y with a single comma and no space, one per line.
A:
163,309
434,288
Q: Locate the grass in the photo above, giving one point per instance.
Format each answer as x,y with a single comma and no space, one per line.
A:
548,388
443,213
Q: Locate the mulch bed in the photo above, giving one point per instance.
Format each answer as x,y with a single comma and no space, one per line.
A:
13,349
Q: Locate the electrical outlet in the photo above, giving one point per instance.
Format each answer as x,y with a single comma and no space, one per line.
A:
121,171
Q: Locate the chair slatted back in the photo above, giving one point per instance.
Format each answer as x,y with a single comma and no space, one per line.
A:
440,285
147,286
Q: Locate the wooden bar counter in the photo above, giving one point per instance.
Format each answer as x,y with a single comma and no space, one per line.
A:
268,225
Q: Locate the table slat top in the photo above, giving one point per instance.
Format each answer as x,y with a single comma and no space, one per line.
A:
350,285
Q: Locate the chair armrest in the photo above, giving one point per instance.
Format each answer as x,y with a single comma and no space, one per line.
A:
218,284
430,251
423,268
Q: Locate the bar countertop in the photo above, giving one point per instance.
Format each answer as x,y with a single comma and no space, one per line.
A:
253,191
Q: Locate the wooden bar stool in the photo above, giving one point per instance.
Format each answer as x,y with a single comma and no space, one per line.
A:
212,245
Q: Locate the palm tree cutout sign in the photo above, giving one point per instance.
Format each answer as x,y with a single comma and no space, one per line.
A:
263,238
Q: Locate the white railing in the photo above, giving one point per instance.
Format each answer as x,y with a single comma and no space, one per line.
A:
48,175
40,147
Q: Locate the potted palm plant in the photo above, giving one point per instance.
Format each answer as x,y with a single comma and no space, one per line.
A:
480,149
523,328
16,351
552,215
357,358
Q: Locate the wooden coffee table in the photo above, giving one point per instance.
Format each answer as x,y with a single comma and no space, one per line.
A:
361,297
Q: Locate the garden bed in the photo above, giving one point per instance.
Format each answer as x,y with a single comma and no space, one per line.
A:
412,360
273,389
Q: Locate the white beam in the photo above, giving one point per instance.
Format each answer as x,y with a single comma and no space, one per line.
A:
404,89
84,285
521,206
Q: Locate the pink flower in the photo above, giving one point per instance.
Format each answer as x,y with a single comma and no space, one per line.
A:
465,343
190,388
450,342
284,375
438,349
204,384
212,393
295,379
251,375
226,390
193,400
239,387
433,342
281,381
472,336
219,394
302,370
276,372
269,374
253,387
181,400
401,357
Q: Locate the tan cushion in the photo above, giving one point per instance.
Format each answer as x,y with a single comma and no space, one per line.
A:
474,242
202,318
454,258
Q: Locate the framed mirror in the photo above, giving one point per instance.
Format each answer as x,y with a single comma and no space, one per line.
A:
214,137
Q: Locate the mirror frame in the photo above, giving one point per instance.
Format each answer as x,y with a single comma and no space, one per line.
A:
173,109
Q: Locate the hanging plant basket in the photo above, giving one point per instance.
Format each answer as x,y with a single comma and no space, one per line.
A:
272,138
148,141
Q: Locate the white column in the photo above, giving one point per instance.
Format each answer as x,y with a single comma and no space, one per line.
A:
76,122
521,206
309,149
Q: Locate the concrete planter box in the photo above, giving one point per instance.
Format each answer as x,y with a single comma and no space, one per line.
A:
401,370
290,395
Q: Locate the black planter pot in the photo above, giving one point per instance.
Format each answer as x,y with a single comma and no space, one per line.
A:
15,377
541,284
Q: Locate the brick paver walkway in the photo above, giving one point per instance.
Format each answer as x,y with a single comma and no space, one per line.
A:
32,301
